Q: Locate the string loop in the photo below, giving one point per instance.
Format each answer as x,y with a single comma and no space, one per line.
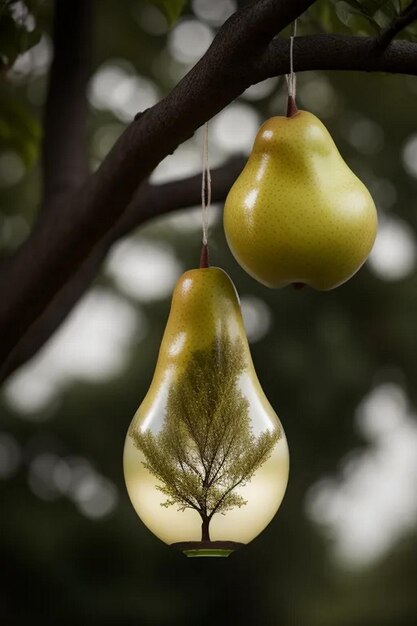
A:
291,77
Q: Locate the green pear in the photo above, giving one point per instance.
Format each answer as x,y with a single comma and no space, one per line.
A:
297,213
206,458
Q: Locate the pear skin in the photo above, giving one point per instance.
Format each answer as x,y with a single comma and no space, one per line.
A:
204,418
297,213
204,304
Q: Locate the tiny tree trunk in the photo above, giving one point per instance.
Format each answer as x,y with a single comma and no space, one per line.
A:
205,535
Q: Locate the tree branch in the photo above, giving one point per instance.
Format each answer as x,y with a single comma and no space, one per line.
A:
338,52
236,59
65,153
56,248
404,19
151,201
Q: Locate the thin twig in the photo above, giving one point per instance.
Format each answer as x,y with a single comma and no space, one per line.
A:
401,21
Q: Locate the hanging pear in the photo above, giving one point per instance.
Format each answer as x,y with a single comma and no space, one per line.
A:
206,459
297,213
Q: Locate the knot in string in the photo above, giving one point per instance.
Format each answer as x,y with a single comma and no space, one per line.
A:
291,77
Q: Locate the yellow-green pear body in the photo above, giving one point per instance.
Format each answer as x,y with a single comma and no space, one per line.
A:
297,213
204,305
205,312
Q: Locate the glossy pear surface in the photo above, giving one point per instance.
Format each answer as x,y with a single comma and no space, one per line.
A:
297,213
205,436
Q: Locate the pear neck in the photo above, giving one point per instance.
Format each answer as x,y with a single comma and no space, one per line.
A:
204,257
291,107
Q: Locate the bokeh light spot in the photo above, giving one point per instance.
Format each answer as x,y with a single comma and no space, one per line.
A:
115,87
317,95
261,90
143,270
365,135
96,496
372,503
394,254
33,62
257,317
409,155
234,129
214,12
151,19
12,169
92,344
189,40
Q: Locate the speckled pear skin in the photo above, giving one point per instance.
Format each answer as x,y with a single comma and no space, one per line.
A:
297,213
204,305
204,387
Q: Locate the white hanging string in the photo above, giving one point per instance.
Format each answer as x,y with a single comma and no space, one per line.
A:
291,77
205,186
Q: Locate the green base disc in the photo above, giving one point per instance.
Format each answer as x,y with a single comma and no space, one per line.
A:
207,548
207,552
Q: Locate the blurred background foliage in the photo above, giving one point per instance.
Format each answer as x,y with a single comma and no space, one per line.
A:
340,367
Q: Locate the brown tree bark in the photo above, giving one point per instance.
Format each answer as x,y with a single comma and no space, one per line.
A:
205,533
245,51
65,148
151,201
57,248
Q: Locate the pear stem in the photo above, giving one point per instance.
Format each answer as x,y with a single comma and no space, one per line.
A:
204,256
291,106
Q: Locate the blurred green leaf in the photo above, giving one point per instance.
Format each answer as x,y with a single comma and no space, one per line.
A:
343,16
19,129
370,7
385,14
326,15
352,16
172,9
356,17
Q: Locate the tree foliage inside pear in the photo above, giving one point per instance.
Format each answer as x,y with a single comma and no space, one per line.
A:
206,448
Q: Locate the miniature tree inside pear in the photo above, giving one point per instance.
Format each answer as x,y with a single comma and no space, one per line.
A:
206,448
206,458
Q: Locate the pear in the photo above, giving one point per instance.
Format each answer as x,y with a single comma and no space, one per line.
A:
297,213
206,458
